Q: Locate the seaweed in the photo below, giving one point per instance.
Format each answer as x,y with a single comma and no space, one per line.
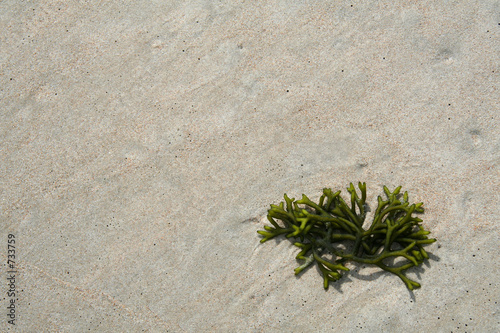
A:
330,233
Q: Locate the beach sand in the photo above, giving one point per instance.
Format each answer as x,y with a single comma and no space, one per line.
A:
143,143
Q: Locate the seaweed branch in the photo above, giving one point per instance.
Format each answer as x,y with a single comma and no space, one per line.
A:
319,229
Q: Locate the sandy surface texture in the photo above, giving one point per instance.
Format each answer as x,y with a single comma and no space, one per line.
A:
142,143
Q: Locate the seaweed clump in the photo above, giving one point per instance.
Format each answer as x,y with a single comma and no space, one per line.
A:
331,232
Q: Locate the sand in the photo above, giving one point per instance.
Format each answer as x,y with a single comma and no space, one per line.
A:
142,144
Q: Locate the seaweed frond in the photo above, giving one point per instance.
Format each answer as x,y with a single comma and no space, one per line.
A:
329,226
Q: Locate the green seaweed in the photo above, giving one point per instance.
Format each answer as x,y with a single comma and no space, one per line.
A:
332,228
